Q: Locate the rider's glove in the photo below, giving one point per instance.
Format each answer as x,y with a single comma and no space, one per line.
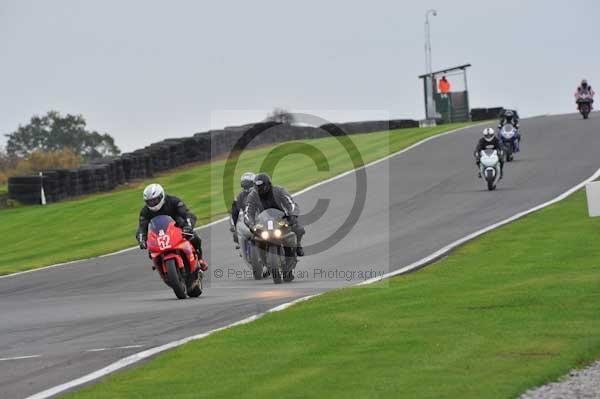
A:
292,219
142,241
187,229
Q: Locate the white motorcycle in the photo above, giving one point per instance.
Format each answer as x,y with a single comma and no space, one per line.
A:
490,167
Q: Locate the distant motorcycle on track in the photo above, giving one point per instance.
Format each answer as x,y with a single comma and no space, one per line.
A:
510,140
174,257
584,104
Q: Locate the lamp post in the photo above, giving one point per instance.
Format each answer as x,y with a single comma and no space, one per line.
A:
428,68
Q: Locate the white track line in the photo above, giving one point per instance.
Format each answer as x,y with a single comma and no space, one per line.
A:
297,193
18,358
443,251
129,360
116,347
153,351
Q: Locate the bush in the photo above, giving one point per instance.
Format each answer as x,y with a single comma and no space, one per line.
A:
39,161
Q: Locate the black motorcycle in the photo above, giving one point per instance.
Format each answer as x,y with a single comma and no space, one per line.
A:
277,244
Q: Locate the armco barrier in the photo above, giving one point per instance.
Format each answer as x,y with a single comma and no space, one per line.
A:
105,174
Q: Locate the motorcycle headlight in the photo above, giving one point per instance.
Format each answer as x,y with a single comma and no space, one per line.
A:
264,235
277,233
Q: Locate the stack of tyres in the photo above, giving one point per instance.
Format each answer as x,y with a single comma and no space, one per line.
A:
483,114
25,189
63,183
74,188
161,157
127,164
138,167
478,114
52,186
119,174
177,150
87,181
105,174
403,124
108,165
186,149
148,165
203,142
101,175
495,112
140,164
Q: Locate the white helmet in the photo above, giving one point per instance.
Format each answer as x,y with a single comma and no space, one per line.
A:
154,197
247,181
488,134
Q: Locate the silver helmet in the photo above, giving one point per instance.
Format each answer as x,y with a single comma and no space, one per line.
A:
488,134
247,181
154,197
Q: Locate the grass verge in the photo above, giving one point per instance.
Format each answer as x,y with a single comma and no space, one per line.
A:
513,309
39,236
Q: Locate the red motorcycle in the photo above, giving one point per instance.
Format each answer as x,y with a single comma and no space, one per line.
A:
174,257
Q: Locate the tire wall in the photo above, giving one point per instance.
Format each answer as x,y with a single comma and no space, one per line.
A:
105,174
482,114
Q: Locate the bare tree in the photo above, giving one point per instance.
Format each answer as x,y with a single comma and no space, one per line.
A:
281,115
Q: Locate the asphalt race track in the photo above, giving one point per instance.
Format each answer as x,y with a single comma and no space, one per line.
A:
77,318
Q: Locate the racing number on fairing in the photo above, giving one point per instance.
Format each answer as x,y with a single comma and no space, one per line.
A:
164,242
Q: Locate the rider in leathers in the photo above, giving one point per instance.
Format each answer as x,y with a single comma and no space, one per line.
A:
489,141
509,116
265,196
512,117
584,87
239,203
157,202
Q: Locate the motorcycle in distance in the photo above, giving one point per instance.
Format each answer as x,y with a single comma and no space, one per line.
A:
248,251
490,167
174,257
273,237
584,103
509,140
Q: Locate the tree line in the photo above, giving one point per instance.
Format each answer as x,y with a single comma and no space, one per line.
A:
52,141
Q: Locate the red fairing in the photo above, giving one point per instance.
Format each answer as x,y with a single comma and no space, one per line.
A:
164,241
164,245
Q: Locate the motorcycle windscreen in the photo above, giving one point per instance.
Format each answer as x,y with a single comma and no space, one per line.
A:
160,223
269,214
508,131
489,158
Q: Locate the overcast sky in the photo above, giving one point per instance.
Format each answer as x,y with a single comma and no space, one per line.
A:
146,70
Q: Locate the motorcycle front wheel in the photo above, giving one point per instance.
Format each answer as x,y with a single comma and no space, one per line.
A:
175,279
273,264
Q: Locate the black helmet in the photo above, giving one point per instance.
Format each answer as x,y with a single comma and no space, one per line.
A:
262,182
584,83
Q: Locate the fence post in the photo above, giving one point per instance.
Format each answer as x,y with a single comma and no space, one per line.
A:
43,195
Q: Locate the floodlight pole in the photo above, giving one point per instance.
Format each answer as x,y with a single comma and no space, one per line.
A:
428,66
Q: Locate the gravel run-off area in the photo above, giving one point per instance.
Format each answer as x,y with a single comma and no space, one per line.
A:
578,384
